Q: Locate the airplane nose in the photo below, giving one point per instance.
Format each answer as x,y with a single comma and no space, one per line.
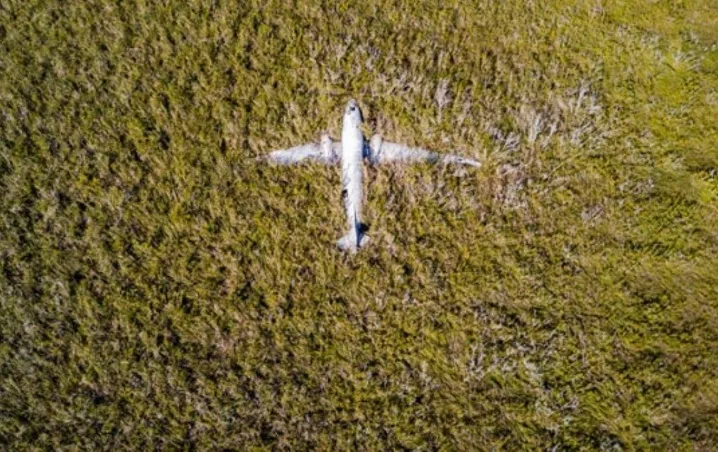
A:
353,107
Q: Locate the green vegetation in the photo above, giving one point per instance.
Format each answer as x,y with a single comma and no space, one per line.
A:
161,289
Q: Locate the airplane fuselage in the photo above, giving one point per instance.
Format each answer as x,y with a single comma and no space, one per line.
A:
352,190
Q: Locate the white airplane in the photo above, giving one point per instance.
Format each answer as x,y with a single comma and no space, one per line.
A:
351,151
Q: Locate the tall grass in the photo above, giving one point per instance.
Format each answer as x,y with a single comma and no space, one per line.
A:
161,289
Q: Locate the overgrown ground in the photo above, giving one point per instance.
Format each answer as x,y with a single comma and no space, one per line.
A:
159,288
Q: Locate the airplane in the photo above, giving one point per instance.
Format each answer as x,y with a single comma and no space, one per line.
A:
351,152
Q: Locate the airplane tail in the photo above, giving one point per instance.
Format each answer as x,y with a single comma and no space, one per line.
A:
349,242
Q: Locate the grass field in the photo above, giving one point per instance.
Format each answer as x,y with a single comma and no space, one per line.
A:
159,288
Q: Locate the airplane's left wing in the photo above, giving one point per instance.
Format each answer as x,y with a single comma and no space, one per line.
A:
326,151
380,151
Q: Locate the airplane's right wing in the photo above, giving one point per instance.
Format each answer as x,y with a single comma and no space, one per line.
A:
326,151
380,151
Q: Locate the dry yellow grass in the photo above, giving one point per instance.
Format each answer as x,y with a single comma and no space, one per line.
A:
160,289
